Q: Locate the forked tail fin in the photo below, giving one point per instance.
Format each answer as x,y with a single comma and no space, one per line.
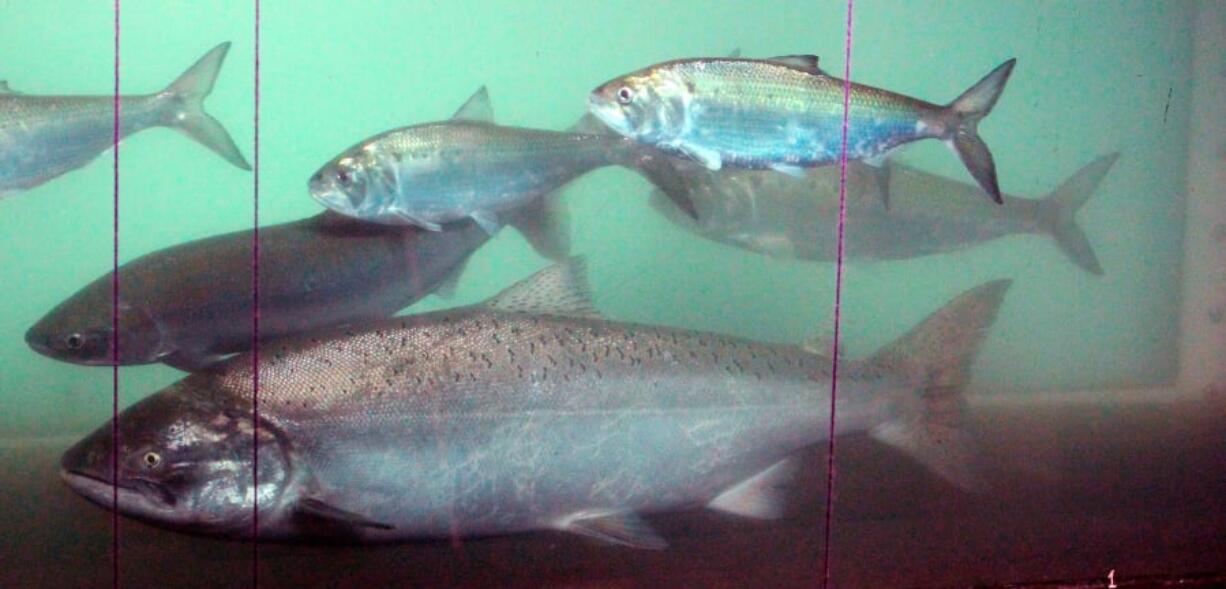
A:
936,357
966,112
186,96
1057,212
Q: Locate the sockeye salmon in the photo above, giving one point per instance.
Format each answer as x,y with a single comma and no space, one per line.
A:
190,305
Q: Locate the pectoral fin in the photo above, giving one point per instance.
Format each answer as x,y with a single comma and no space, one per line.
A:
616,527
880,169
793,171
405,218
321,510
487,220
191,362
759,496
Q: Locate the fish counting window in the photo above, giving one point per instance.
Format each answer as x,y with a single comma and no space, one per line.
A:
962,264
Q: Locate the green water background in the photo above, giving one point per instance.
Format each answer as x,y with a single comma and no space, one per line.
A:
1091,79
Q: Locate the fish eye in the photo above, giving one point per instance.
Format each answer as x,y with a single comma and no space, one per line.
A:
343,177
624,95
151,459
74,341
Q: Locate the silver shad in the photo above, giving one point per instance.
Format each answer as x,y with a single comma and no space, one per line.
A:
42,137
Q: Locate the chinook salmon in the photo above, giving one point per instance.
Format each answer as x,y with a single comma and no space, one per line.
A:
191,304
42,137
528,412
786,114
468,167
926,214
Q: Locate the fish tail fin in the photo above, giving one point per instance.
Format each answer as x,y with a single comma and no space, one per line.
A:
1057,212
545,223
186,97
966,112
936,356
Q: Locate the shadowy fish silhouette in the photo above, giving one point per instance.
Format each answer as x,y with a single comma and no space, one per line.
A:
894,212
191,304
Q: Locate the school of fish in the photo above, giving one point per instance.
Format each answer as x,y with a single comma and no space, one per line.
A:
531,411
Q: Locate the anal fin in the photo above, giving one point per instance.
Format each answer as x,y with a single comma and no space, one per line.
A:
793,171
760,496
624,528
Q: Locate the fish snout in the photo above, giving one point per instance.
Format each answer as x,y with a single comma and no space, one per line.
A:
88,464
608,111
318,185
39,341
327,189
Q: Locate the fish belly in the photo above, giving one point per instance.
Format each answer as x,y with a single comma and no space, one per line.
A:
486,176
759,140
489,473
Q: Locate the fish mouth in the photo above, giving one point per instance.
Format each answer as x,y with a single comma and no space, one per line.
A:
332,197
142,499
91,486
38,343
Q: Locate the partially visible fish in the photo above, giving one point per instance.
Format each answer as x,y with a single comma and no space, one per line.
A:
529,412
896,213
191,304
42,137
786,114
468,167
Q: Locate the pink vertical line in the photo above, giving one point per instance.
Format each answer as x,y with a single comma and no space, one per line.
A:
838,299
255,318
115,319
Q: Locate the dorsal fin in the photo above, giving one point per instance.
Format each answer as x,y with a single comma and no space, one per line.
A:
735,53
4,88
477,108
560,289
806,63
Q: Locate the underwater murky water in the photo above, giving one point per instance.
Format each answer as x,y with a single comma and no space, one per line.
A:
1090,138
